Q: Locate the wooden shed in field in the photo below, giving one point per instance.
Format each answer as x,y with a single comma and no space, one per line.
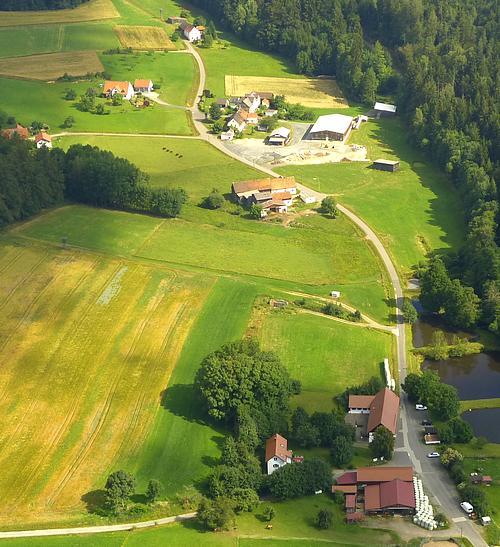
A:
386,165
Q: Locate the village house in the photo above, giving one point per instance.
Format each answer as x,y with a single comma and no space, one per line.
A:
124,89
245,191
143,86
277,453
237,122
376,490
19,130
191,33
367,412
251,102
223,103
270,112
43,139
333,127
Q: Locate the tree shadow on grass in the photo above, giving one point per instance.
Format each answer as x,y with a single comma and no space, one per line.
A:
181,400
94,501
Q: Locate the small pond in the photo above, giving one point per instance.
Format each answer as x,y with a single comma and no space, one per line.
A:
474,376
484,422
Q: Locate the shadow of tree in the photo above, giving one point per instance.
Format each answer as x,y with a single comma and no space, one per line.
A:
94,501
181,400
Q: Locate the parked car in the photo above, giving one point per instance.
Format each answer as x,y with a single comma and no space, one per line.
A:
418,406
427,423
433,455
467,507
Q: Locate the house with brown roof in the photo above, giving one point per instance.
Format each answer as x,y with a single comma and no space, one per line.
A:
191,33
277,453
143,86
380,489
246,189
19,131
43,139
367,412
112,88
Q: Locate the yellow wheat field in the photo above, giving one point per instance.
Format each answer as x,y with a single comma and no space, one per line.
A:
310,92
95,10
87,344
51,66
138,37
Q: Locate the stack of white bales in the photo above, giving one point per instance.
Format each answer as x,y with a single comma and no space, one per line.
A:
424,516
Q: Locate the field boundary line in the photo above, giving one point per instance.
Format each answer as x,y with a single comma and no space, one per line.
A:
97,529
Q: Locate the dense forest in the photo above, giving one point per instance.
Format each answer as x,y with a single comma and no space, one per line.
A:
34,179
26,5
439,59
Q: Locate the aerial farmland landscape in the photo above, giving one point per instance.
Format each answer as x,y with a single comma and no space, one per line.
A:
249,273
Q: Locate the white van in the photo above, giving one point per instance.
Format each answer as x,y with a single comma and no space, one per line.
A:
467,507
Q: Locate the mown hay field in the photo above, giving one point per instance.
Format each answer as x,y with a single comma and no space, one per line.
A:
51,66
87,346
310,92
94,10
139,37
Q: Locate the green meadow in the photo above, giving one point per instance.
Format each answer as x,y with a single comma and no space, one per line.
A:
325,355
30,100
174,75
201,167
414,210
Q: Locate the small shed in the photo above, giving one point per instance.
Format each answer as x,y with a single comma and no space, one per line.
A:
335,294
386,165
227,135
387,109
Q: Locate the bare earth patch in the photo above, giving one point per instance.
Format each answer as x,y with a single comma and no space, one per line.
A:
138,37
51,66
310,92
95,10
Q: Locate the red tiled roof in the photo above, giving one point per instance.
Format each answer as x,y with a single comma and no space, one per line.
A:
277,446
142,83
487,478
19,130
360,401
383,474
345,488
122,87
42,136
282,195
350,477
384,411
395,493
263,184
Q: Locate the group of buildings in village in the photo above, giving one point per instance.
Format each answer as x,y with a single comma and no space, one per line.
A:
126,89
42,138
366,490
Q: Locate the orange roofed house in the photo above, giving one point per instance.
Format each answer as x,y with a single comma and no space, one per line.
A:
143,86
125,89
43,139
18,131
272,194
277,453
367,412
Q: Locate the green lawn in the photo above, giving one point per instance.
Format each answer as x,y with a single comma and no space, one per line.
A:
30,100
293,525
17,41
325,355
314,257
176,75
200,168
413,210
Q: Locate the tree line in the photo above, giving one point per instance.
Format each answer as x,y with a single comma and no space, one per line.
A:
446,87
34,179
28,5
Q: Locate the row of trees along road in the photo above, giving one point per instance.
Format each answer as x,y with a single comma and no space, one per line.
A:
446,88
33,179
